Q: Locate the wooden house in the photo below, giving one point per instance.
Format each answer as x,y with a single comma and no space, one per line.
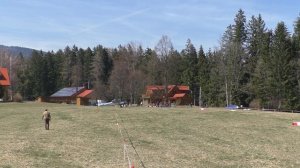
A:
156,95
72,95
4,83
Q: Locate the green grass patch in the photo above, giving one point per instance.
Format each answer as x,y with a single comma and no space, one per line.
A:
163,137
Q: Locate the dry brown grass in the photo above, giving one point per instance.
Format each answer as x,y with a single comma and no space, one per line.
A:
163,137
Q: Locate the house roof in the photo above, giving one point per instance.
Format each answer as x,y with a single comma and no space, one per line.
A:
179,95
170,87
85,93
67,92
159,87
4,78
181,87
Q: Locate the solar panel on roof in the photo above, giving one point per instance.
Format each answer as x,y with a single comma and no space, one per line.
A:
66,92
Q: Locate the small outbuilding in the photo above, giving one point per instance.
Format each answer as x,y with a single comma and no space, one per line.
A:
84,97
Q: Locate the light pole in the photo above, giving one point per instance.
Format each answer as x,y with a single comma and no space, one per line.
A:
10,73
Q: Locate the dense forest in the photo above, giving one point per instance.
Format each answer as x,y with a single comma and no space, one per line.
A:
253,66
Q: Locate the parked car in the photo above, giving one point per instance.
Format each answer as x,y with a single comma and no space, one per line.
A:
232,106
123,103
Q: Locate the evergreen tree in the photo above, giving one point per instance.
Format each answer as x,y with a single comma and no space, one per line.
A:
176,67
216,89
76,67
35,83
59,66
259,39
296,35
88,67
234,58
189,75
239,27
296,50
150,65
144,60
283,70
68,62
203,76
51,74
259,82
256,33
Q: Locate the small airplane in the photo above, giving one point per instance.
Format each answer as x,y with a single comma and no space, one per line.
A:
104,103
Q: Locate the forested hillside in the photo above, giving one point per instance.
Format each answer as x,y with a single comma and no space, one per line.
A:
14,50
253,66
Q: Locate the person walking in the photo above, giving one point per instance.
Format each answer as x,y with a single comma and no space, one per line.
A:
46,117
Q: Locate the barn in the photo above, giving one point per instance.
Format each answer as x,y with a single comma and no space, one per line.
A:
176,94
4,83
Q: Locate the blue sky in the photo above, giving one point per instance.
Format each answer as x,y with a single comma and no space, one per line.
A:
54,24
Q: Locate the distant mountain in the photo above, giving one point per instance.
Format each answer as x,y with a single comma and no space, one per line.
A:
15,50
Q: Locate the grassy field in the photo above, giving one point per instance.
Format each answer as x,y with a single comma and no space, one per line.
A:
162,137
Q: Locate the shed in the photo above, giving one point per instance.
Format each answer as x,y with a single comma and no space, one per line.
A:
83,98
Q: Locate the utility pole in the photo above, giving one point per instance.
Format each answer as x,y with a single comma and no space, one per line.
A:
200,101
194,96
11,86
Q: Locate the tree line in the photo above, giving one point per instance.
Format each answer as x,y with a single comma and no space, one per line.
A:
253,66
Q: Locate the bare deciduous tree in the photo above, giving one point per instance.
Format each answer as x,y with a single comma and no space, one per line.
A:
164,48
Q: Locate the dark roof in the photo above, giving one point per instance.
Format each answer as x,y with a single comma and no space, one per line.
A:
67,92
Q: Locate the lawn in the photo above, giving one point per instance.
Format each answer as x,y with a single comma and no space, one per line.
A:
162,137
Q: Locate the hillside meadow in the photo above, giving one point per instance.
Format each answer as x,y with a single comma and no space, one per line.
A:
90,136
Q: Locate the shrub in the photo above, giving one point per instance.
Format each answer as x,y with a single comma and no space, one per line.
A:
18,98
255,104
